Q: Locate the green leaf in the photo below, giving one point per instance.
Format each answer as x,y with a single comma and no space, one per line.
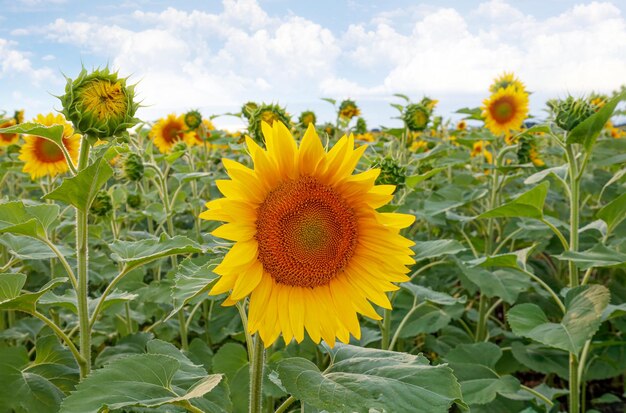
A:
614,212
28,248
139,380
474,365
70,302
362,379
597,256
53,133
135,253
24,391
505,284
329,100
529,204
543,359
192,280
558,171
426,294
436,248
80,190
413,180
32,221
55,363
516,259
588,130
27,301
583,316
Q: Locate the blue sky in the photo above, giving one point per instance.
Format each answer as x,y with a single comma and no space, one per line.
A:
215,55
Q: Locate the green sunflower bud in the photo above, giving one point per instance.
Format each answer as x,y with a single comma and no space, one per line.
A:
348,109
329,129
248,109
391,172
268,114
102,204
193,119
134,200
99,104
180,146
416,117
133,167
307,117
570,112
361,126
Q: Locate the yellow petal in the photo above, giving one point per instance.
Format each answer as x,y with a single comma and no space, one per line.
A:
247,281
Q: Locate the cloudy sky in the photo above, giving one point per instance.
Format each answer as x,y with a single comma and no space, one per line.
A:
214,55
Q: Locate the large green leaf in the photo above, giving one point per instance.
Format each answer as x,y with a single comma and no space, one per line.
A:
28,248
24,391
70,302
29,220
506,283
587,131
597,256
361,379
139,380
581,320
515,259
614,212
436,248
53,133
135,253
474,366
414,180
55,363
80,190
529,204
11,285
426,294
541,358
25,302
194,278
558,171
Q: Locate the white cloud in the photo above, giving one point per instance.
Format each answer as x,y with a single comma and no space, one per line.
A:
14,63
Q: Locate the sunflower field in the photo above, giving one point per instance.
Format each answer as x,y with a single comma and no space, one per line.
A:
302,266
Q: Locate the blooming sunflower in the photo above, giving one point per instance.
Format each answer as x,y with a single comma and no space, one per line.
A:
43,157
479,149
169,131
310,248
348,109
7,139
462,125
505,80
505,110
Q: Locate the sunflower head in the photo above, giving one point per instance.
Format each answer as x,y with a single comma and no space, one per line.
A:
168,131
505,110
307,117
570,112
329,129
19,116
42,156
461,125
193,119
527,151
505,80
248,108
132,167
266,114
102,204
391,172
419,146
311,250
361,126
348,109
100,104
416,117
429,103
479,149
7,139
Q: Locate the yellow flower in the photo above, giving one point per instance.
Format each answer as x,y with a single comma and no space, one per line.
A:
419,146
534,157
505,80
310,248
462,125
169,131
348,109
479,149
7,139
43,157
195,137
505,110
366,137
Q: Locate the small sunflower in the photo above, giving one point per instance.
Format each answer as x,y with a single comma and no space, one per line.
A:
307,117
168,131
479,149
505,80
310,248
505,110
195,137
348,109
461,125
7,139
365,137
419,146
43,157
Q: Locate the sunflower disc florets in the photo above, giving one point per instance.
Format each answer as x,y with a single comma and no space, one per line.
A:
100,104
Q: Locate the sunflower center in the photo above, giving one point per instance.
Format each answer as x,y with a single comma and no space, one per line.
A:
503,109
104,99
306,233
172,132
7,137
47,151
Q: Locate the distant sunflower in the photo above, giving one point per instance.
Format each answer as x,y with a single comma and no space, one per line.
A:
306,118
479,149
348,109
461,125
195,137
505,80
7,139
168,131
505,110
310,248
43,157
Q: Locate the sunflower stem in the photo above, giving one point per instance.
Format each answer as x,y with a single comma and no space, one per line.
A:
82,259
256,375
386,329
283,407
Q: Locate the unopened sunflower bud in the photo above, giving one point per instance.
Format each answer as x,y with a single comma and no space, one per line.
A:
570,112
391,172
133,167
101,205
361,126
307,117
248,109
134,200
416,117
348,109
179,146
99,104
193,119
